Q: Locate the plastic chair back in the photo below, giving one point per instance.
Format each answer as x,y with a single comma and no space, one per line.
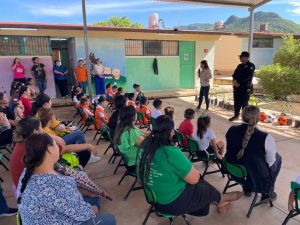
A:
295,187
140,116
235,170
179,137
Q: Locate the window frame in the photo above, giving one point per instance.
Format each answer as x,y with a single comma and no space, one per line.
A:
163,48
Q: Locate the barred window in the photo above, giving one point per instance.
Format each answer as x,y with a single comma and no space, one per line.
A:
24,45
263,43
151,48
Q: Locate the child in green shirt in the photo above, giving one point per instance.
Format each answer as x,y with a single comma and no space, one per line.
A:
127,137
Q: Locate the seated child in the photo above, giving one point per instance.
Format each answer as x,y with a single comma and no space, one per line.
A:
114,90
31,86
144,110
120,91
100,115
186,126
292,197
88,113
157,104
139,93
207,138
19,111
131,100
76,90
109,92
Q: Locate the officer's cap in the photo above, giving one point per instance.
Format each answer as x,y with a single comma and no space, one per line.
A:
245,54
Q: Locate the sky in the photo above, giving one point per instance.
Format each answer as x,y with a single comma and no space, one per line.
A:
69,11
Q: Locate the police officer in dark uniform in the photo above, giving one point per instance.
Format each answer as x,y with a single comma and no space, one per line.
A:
242,84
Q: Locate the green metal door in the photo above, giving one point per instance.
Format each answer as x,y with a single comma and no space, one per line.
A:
187,64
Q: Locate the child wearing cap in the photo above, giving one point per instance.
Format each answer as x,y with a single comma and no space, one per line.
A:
100,115
139,93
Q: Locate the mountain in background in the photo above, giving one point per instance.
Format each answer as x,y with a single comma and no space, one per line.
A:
236,24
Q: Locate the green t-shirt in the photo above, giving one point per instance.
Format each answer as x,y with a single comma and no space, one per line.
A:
169,167
127,147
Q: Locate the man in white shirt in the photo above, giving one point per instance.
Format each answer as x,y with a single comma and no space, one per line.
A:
157,104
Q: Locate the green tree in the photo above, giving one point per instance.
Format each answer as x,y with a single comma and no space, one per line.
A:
289,53
282,78
115,21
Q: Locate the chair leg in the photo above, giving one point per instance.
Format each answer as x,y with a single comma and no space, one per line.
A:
205,170
171,221
148,214
186,219
131,189
97,132
292,214
1,180
252,205
110,146
7,149
219,166
119,164
99,138
226,186
5,157
1,163
125,174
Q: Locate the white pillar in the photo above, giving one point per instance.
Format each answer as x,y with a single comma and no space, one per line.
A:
86,47
251,23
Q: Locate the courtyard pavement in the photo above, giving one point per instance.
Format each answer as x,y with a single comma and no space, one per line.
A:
132,211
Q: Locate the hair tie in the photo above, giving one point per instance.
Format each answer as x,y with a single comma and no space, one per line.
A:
202,116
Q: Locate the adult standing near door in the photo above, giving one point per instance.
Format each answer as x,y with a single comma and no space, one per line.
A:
60,76
242,83
19,71
39,73
81,75
205,76
99,78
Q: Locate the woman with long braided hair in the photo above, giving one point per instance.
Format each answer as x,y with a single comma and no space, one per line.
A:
256,150
46,197
170,175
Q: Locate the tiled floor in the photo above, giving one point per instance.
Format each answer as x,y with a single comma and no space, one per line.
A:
132,211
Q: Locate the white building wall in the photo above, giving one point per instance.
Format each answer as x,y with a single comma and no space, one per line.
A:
204,50
262,56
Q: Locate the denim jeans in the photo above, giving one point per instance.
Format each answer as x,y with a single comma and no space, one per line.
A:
83,85
3,204
42,85
75,137
204,92
101,219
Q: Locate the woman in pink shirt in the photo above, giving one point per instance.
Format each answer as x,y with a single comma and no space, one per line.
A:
19,71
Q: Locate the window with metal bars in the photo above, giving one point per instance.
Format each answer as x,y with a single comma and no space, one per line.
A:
24,45
151,48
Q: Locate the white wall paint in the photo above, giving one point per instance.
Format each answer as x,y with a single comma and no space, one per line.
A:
201,55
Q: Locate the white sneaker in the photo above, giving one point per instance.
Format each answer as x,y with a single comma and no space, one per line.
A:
94,159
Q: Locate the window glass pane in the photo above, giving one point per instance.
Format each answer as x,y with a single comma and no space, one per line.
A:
134,47
153,48
9,45
263,43
170,48
24,45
